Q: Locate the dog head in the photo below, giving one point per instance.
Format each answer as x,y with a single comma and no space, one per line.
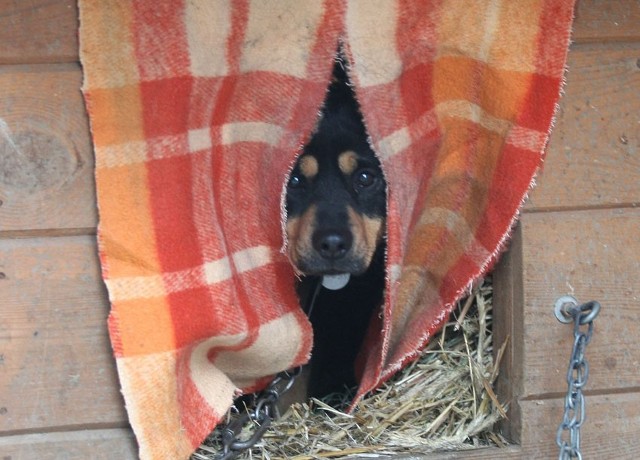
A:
336,194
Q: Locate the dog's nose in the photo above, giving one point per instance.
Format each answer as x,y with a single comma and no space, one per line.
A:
332,244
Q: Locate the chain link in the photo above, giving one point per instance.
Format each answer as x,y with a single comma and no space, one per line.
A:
248,427
257,417
568,435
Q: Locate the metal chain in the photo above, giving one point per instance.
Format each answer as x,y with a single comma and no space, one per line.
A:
568,310
256,418
264,408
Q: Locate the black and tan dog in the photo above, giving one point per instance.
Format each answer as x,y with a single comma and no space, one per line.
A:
336,207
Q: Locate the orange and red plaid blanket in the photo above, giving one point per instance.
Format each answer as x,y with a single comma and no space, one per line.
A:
198,109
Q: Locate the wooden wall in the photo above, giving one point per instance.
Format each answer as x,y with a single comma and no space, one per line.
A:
579,233
59,392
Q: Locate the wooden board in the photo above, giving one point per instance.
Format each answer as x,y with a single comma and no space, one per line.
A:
592,159
113,444
610,430
38,31
595,256
606,20
46,178
508,328
510,452
56,367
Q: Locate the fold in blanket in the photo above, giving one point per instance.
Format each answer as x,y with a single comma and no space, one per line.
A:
198,109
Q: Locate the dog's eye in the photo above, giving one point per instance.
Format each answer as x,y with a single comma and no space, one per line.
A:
364,178
295,181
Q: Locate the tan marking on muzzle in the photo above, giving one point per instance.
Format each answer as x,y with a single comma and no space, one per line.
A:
299,232
348,162
367,233
309,166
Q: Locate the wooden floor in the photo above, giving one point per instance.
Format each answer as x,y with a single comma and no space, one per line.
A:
579,234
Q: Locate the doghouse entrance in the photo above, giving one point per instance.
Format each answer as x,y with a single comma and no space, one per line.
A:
442,401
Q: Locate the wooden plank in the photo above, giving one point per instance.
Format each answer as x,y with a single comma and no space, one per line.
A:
592,159
508,327
592,255
606,20
56,367
113,444
610,430
38,31
510,452
46,177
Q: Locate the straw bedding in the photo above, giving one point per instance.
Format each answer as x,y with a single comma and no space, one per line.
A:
443,401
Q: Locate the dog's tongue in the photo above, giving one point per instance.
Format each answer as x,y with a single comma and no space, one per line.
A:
335,282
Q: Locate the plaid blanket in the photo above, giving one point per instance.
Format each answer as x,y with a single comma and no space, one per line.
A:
198,109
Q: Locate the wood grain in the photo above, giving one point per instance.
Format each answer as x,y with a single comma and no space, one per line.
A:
610,430
56,367
510,452
606,20
592,255
37,31
508,327
46,158
592,159
113,444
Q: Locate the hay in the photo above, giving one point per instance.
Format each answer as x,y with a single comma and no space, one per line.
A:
442,401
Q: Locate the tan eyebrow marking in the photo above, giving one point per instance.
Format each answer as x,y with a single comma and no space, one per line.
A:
309,166
348,161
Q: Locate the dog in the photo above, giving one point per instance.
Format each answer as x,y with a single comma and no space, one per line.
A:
336,214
